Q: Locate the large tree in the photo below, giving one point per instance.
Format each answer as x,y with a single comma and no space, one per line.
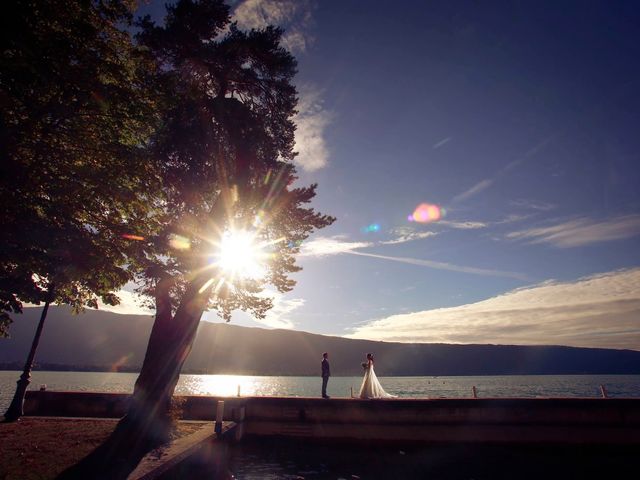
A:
225,153
76,115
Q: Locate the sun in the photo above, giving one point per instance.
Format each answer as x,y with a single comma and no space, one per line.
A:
240,256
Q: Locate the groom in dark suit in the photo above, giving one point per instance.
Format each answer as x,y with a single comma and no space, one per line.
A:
326,373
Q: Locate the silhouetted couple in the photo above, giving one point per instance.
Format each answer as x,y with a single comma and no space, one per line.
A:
370,388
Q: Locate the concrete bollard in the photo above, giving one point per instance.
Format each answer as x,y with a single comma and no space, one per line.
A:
238,390
475,392
352,392
603,391
219,416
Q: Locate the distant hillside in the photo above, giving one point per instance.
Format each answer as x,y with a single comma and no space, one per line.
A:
103,340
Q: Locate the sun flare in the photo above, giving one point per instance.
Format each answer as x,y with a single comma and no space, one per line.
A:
240,256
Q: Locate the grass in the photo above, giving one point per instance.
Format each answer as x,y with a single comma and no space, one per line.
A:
41,448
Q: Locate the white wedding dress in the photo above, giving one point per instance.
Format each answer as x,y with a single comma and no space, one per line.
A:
371,387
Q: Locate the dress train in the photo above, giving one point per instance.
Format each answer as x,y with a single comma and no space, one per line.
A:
371,387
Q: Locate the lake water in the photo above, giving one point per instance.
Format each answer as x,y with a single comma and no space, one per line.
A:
292,460
403,387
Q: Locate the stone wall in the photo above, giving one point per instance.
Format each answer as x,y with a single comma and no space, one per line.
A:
499,420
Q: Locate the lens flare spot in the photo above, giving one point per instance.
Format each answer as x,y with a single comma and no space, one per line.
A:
206,285
178,242
372,228
121,362
132,237
425,213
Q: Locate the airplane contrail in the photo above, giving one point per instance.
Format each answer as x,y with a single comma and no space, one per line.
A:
445,266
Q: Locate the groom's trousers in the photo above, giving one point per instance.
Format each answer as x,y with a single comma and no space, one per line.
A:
325,380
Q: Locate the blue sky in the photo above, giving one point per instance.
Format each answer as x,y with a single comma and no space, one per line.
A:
519,120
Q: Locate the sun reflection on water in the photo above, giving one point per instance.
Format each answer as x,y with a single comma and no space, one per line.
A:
228,385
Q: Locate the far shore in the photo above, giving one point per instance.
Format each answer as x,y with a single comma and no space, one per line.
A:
100,369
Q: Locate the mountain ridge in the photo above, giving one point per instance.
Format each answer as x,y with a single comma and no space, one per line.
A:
107,341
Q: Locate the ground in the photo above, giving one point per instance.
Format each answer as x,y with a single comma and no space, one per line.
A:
36,448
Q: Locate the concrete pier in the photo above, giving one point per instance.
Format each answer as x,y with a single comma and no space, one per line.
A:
567,421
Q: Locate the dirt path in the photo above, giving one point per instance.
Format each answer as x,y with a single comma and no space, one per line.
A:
41,448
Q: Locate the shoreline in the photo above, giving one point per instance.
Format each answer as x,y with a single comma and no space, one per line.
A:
314,375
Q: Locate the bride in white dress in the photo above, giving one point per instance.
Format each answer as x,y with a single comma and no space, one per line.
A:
371,387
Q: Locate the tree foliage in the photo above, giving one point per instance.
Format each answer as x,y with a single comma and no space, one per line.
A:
76,114
225,151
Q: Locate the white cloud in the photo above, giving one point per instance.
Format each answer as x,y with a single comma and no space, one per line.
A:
581,231
442,143
130,304
512,218
467,225
295,40
312,119
598,311
322,246
477,188
488,182
533,205
278,316
408,236
311,122
292,15
260,13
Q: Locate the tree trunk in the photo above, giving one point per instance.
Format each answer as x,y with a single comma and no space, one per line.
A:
147,423
169,346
